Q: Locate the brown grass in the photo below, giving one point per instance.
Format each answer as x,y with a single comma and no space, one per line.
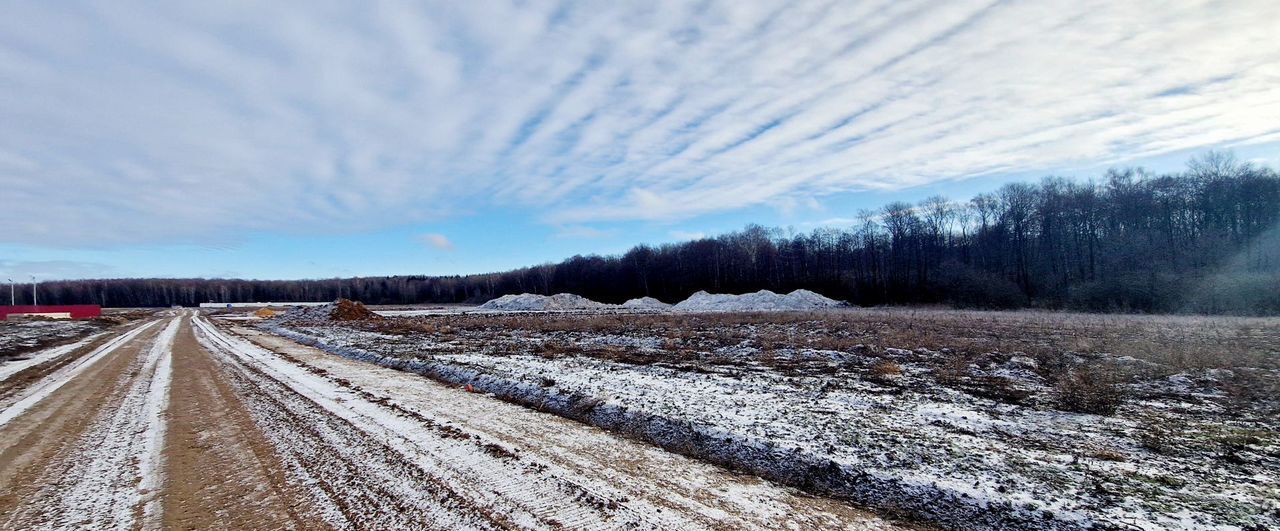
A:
885,369
1179,342
1074,353
1090,390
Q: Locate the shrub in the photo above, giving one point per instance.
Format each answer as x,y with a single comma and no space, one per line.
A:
885,372
1090,390
954,371
1156,438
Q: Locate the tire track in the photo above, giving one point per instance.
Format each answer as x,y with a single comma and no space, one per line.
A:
356,482
465,477
222,473
10,368
20,402
76,446
607,483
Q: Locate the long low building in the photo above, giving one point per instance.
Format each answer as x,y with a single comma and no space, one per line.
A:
257,304
71,311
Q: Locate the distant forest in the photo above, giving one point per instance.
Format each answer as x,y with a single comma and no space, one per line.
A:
1205,240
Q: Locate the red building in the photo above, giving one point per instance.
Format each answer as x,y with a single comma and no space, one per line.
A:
75,311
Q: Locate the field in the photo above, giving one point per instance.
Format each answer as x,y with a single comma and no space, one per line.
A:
19,337
620,419
1025,419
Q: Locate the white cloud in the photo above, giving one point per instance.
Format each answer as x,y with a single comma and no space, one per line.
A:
22,270
832,222
130,123
436,241
687,235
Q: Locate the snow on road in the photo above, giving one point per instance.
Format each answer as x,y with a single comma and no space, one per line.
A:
528,469
121,447
76,443
190,425
156,403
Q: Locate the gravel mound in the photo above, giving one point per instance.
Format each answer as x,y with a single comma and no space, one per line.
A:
528,302
339,310
645,303
763,300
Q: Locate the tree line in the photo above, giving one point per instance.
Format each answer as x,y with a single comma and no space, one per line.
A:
1203,240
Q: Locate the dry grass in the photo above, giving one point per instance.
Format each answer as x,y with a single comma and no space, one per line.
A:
1178,342
1090,390
1076,354
885,372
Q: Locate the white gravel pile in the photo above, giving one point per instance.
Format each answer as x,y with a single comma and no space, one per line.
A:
528,302
645,303
763,300
308,313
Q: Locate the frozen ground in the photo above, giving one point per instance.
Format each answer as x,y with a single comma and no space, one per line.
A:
18,337
186,422
967,419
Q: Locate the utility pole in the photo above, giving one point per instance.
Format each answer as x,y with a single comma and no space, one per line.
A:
12,300
34,300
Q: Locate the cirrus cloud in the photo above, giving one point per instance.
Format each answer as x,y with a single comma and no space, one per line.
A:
436,241
130,123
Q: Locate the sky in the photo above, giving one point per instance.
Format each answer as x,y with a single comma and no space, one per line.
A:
312,139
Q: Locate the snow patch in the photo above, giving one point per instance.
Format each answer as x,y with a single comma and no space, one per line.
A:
13,367
151,462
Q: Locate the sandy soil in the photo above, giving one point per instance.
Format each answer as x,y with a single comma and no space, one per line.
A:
180,424
230,476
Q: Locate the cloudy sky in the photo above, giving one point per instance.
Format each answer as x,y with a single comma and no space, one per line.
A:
313,139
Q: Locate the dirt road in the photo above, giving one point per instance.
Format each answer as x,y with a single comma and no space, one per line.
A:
181,423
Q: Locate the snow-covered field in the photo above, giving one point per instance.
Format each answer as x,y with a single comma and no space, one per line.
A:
877,408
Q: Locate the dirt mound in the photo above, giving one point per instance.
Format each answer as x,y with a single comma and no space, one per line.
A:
348,310
763,300
265,313
528,302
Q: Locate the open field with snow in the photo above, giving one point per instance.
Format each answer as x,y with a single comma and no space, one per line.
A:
644,418
19,337
964,419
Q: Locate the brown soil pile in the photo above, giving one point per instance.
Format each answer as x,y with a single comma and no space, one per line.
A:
347,310
265,313
113,317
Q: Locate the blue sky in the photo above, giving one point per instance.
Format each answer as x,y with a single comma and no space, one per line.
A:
304,139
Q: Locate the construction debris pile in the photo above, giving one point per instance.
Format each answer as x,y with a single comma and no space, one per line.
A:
339,310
